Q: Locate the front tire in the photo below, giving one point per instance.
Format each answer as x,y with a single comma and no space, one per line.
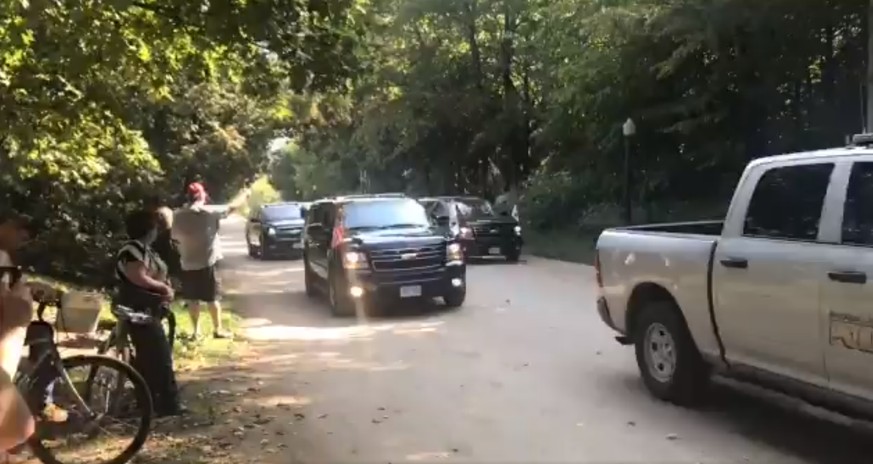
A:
669,362
341,304
455,297
308,282
514,255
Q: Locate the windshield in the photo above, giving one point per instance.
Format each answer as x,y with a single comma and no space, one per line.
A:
279,213
474,208
384,214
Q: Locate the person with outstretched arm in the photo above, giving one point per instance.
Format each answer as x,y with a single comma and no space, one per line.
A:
195,228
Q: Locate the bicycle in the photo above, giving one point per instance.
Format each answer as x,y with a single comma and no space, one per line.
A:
49,370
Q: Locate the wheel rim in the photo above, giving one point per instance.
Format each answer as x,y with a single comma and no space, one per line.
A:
660,352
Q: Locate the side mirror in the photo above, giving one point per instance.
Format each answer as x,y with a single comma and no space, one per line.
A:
303,211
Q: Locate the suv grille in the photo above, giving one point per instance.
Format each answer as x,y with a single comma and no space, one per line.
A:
493,230
409,258
288,232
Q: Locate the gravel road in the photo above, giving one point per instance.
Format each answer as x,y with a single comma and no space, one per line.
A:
524,372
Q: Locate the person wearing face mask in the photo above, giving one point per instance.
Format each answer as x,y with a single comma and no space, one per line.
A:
143,286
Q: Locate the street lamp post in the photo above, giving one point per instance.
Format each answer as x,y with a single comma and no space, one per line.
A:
629,129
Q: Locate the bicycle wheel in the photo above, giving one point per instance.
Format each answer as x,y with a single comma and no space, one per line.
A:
131,407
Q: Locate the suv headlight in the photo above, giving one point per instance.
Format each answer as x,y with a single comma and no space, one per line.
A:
517,230
454,252
354,260
271,231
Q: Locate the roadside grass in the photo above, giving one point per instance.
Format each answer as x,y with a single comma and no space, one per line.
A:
575,246
206,351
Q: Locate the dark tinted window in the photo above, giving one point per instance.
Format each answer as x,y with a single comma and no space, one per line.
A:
384,213
474,208
281,212
787,202
858,211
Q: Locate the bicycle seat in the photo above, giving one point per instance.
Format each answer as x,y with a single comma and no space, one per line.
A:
125,313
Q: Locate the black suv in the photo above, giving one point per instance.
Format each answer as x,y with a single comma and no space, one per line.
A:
480,230
275,229
362,249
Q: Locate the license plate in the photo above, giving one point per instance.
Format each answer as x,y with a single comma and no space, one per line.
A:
410,291
494,251
297,246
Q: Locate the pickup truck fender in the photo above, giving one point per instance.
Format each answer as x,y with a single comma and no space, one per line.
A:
638,268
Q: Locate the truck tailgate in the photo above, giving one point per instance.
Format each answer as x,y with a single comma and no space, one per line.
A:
679,263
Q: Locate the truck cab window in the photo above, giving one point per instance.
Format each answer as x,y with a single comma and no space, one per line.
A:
787,202
858,210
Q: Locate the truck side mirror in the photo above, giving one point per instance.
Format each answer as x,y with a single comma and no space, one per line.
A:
303,211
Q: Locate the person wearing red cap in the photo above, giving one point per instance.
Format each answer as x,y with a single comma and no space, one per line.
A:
195,228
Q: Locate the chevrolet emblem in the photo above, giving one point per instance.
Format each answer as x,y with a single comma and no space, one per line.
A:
408,255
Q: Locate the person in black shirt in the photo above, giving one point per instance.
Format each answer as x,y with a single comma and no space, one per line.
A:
142,277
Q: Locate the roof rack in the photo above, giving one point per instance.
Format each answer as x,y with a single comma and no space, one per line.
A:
862,140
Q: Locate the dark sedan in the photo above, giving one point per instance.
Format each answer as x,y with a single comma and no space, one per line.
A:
275,230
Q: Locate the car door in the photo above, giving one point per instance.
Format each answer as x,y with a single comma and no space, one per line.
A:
254,228
847,294
768,271
317,239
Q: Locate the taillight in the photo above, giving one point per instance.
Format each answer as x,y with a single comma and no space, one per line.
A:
337,237
597,274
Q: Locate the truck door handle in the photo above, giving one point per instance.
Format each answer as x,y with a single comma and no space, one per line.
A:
848,277
735,263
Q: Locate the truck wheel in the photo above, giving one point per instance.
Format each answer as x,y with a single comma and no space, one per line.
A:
341,304
513,255
455,297
669,362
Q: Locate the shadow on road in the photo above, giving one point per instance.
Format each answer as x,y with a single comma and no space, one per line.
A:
780,425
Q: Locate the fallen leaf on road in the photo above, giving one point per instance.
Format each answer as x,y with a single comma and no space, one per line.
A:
299,416
672,436
631,423
322,416
377,421
264,442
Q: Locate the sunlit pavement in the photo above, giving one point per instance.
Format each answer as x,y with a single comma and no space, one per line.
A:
524,372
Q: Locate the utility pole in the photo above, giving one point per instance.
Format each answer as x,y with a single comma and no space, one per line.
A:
869,118
629,129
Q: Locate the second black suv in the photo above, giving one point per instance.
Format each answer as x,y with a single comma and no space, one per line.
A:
362,249
275,229
479,229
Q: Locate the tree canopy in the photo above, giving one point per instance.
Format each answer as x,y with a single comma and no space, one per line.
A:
106,103
480,95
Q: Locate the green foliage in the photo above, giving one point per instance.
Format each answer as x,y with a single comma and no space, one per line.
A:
474,95
108,103
262,193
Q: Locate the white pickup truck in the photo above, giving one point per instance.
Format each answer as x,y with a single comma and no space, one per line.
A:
780,293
